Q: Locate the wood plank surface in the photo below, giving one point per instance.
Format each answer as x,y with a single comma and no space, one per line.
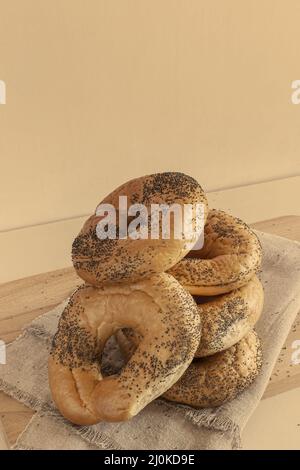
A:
25,299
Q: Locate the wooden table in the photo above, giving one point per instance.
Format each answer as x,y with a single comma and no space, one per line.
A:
23,300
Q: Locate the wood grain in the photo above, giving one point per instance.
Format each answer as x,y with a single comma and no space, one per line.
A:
25,299
3,438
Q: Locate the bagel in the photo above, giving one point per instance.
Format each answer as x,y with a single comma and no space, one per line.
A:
102,261
214,380
225,319
159,309
231,255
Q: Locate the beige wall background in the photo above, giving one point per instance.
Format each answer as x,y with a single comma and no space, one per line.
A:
100,91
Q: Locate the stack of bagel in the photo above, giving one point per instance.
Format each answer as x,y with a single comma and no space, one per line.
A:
183,317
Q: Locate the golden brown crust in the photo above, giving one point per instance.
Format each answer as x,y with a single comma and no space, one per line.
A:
122,260
231,255
159,309
214,380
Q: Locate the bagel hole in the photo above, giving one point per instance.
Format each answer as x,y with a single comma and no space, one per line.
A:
201,299
113,359
195,254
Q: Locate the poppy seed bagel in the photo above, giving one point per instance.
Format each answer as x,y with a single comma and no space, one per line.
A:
159,309
103,261
214,380
231,255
